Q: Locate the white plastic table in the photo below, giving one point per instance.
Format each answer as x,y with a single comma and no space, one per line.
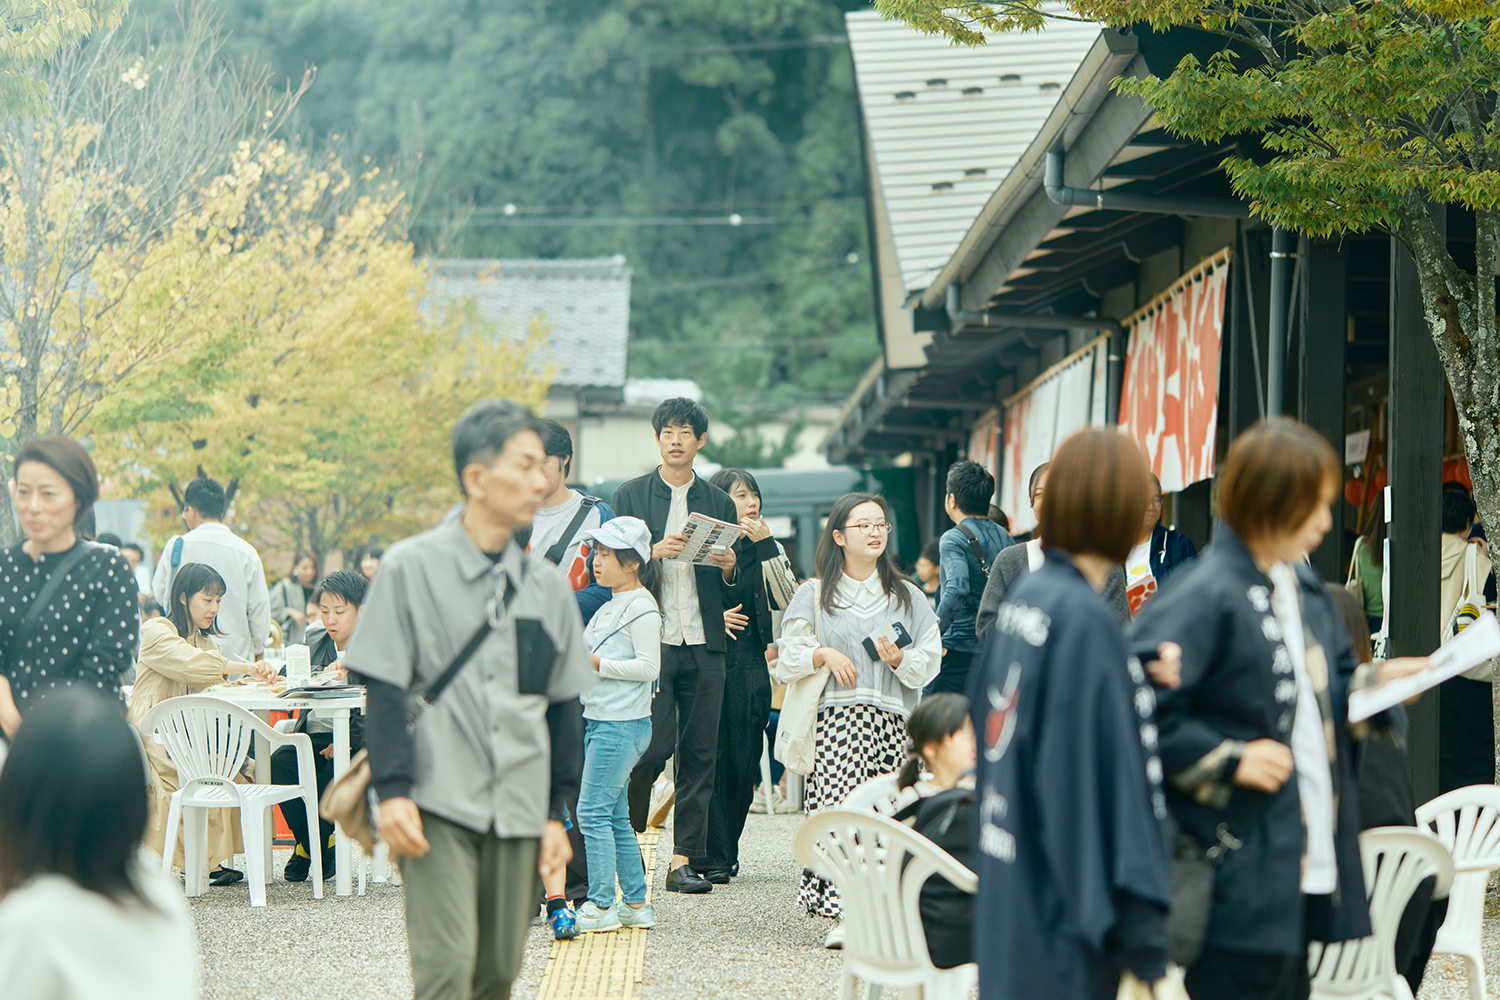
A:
259,698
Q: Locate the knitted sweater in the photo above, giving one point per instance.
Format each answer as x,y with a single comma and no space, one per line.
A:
860,607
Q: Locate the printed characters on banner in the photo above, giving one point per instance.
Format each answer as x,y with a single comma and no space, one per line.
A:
1169,399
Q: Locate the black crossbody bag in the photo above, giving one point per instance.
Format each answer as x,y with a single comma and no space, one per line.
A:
984,566
349,800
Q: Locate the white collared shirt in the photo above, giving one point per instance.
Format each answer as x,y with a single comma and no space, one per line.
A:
1320,871
682,619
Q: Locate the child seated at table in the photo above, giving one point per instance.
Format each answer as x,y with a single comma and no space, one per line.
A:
940,808
180,656
338,599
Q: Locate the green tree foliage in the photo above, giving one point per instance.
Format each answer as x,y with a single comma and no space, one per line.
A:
610,126
33,32
1370,111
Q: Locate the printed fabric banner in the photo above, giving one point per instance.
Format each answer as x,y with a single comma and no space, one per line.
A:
1065,398
1169,397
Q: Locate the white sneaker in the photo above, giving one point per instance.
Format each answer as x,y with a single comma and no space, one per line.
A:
835,938
590,919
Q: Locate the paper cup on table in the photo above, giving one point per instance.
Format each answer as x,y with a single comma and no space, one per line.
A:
298,664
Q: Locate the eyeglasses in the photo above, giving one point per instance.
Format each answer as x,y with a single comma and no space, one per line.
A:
1154,501
883,527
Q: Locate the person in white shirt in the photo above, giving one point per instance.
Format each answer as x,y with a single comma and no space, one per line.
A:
245,612
82,913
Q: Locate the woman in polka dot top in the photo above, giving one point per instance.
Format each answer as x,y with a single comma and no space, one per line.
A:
85,635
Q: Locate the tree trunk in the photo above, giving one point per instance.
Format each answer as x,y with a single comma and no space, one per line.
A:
1460,312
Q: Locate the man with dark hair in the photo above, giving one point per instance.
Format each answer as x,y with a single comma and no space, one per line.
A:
338,599
685,713
965,553
1466,750
1157,552
559,533
245,611
135,555
473,795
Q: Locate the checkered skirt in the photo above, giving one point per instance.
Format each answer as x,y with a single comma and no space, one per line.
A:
851,745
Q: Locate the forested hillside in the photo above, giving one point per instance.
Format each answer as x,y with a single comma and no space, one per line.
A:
713,142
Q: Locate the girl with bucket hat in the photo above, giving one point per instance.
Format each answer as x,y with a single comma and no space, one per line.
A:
624,641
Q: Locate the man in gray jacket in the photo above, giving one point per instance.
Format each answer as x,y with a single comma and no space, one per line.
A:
1018,560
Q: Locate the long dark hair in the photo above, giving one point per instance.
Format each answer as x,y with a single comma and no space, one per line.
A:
1374,534
73,797
193,579
648,571
936,717
831,554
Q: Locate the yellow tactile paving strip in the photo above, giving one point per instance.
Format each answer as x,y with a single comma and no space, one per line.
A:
600,966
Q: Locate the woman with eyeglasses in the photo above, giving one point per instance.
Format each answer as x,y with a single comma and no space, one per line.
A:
860,727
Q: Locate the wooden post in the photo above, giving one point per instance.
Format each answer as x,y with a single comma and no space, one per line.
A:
1320,382
1247,326
1416,474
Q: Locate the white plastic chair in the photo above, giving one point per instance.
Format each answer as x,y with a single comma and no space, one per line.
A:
878,795
1467,822
1396,859
208,740
864,854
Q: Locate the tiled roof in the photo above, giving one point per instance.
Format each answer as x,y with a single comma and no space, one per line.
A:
946,123
586,303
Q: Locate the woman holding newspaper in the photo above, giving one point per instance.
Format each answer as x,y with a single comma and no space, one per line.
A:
1255,737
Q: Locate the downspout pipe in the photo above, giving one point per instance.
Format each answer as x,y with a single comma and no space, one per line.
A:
1224,208
1281,306
958,319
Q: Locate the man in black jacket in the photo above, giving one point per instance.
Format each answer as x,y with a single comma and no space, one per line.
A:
685,713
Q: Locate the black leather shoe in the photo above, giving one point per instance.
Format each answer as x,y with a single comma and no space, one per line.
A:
718,876
225,876
734,870
297,868
684,879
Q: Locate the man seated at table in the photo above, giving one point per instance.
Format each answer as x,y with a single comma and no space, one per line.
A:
338,598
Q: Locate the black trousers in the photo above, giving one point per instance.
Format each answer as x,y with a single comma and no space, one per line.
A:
954,674
284,772
685,725
742,728
1222,974
1466,734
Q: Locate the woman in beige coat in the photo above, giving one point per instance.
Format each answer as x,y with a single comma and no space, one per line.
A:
171,666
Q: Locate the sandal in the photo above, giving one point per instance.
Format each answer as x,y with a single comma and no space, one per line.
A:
225,876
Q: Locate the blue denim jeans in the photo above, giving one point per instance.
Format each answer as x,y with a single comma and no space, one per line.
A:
610,751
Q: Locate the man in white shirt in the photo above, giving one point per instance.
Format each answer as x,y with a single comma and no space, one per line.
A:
685,712
245,611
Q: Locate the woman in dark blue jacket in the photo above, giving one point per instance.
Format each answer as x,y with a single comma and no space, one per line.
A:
1255,739
1071,856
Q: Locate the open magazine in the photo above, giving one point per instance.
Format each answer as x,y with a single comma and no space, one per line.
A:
706,536
1471,647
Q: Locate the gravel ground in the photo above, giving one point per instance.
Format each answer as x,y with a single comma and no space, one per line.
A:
1445,978
745,939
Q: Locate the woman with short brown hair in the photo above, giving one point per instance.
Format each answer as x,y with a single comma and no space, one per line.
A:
1073,886
1254,741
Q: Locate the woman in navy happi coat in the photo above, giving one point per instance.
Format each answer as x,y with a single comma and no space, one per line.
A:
1071,855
